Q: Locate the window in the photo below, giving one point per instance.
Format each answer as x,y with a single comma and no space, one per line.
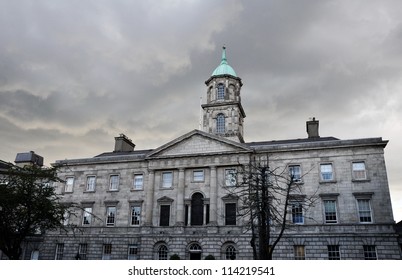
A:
69,185
107,252
295,172
221,92
162,252
110,215
370,252
87,216
138,181
299,252
230,214
333,252
66,217
167,179
230,253
326,172
230,177
297,213
220,123
114,183
198,176
364,209
195,251
82,251
330,211
90,183
35,255
197,209
59,251
359,170
132,252
135,215
164,218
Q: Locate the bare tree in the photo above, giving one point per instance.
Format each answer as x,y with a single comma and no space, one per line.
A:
271,200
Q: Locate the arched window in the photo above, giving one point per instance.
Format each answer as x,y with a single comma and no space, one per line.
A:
195,251
162,253
197,209
230,253
220,92
220,123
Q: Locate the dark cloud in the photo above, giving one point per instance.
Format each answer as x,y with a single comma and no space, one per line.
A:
74,74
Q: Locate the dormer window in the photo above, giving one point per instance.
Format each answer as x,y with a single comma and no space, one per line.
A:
220,92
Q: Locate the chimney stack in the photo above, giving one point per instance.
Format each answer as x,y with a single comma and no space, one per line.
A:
123,144
312,128
29,158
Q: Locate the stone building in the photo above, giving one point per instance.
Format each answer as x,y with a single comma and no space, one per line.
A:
152,204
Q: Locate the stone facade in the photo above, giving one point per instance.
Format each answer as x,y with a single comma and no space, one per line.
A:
151,204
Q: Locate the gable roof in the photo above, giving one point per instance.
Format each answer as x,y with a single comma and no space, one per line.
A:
198,142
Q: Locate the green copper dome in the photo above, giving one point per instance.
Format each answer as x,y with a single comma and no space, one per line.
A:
224,68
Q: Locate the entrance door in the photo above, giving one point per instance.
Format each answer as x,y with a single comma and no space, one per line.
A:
195,255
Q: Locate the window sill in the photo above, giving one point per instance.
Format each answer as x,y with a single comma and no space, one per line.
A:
112,190
89,191
166,188
328,182
361,180
136,190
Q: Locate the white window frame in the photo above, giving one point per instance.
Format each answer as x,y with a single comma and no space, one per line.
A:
91,183
114,181
59,251
66,217
132,252
357,170
166,181
198,176
135,216
296,205
69,186
361,211
324,173
107,251
83,250
111,213
297,176
87,216
138,181
35,255
230,177
330,221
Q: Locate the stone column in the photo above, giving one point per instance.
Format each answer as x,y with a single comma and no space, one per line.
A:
180,199
150,198
213,196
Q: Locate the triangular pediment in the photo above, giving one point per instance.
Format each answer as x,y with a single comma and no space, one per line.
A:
198,142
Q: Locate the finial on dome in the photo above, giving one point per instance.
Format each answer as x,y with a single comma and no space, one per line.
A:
224,60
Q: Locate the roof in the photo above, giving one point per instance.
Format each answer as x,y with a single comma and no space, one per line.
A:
224,68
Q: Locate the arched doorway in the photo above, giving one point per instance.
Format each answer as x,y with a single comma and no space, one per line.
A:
197,209
195,251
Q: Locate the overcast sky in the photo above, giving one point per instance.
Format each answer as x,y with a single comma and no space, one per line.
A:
74,74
